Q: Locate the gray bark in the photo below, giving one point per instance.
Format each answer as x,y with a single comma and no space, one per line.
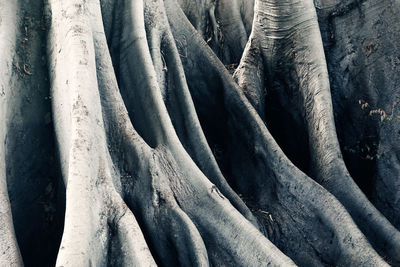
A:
126,141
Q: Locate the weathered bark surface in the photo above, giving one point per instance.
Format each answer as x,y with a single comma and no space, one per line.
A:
126,141
364,68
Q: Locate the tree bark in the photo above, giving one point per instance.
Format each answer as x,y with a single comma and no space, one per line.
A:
128,141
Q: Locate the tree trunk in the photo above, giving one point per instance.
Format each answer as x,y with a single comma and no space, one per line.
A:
125,140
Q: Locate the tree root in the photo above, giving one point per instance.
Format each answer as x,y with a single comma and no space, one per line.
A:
155,138
289,49
267,160
164,183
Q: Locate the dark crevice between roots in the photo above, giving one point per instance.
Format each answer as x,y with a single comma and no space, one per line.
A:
149,236
35,186
39,225
361,166
284,118
113,248
37,193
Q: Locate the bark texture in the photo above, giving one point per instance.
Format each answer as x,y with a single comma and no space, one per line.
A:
199,133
